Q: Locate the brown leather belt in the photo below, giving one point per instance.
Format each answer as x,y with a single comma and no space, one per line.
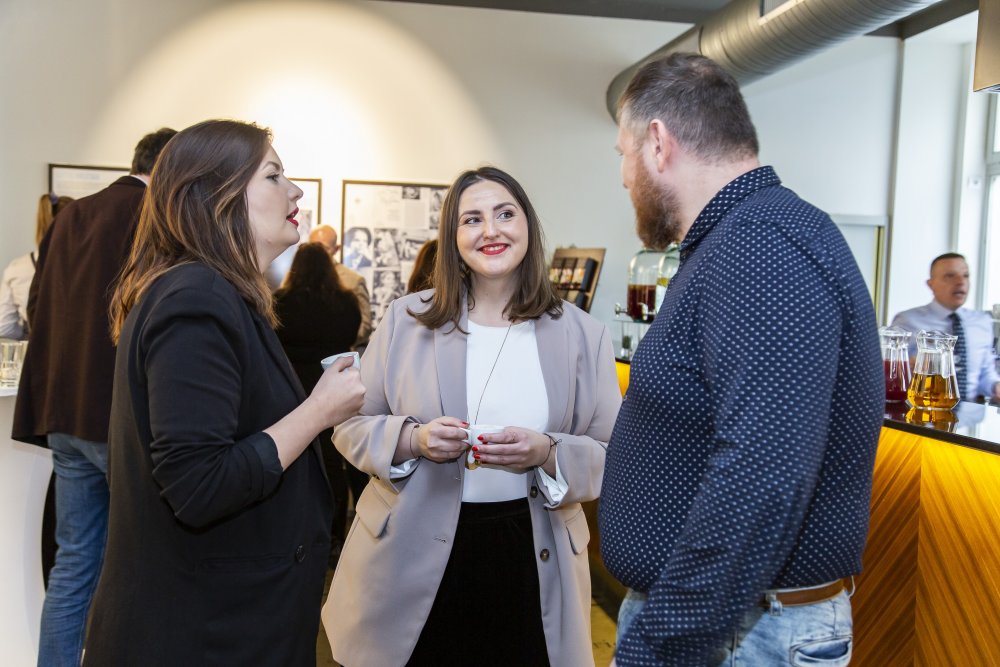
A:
799,596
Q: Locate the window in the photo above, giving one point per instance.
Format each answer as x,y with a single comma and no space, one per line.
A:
991,211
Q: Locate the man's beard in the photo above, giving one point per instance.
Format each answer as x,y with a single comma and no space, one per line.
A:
657,217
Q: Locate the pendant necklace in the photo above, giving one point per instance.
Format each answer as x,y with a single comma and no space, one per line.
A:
471,463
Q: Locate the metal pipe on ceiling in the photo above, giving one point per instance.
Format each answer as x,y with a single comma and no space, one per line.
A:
751,43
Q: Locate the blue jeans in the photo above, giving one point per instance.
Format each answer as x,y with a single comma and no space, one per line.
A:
81,469
811,635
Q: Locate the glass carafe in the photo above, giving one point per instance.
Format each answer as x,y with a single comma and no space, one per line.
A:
895,362
934,385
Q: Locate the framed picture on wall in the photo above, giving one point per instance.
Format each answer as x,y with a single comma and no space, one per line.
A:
382,227
308,218
309,205
76,180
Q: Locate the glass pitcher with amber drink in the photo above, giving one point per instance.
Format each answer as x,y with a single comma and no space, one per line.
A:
895,362
934,385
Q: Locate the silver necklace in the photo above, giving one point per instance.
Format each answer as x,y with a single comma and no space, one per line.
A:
504,342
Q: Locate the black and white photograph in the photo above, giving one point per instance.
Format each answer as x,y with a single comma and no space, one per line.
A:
384,224
388,286
357,248
385,254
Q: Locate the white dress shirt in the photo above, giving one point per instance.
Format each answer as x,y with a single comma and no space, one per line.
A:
978,327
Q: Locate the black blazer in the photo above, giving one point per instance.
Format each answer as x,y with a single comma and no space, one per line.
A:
66,382
311,329
214,556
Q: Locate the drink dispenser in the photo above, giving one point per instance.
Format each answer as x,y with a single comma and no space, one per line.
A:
643,274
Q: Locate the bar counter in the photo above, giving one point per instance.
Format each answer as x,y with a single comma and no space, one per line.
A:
930,591
24,478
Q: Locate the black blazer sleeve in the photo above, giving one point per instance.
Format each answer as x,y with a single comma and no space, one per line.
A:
191,349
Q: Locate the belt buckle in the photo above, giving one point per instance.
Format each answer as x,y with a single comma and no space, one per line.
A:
774,606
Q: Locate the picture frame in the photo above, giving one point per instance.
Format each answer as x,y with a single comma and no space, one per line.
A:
78,180
383,225
310,205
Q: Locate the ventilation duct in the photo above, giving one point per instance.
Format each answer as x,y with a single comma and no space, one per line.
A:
754,38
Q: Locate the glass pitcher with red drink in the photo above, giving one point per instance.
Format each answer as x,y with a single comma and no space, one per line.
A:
895,362
934,385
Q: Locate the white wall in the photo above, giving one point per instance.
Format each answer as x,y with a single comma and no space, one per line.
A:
358,90
405,91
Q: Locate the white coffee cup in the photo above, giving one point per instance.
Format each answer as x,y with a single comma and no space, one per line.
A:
472,437
329,361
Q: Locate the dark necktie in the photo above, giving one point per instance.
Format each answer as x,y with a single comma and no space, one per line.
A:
961,356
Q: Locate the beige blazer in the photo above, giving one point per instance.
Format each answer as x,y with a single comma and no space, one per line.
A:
399,544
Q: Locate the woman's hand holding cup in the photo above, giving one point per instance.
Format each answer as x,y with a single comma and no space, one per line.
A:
514,447
339,392
442,439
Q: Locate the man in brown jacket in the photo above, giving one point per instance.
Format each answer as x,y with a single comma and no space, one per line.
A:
64,397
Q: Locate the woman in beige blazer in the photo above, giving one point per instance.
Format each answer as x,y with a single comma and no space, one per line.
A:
448,563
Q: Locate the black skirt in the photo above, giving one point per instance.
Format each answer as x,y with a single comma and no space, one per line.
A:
487,611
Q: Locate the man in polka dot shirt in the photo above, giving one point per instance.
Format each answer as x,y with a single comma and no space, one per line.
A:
738,478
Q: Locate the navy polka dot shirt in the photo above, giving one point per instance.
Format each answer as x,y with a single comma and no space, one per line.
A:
742,456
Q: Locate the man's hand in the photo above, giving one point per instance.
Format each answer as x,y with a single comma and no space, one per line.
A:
996,393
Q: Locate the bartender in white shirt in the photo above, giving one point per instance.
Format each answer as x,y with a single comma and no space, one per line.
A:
975,361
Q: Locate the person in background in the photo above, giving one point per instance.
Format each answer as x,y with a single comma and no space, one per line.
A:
16,280
64,397
14,289
351,280
318,317
219,529
449,565
423,268
975,360
736,495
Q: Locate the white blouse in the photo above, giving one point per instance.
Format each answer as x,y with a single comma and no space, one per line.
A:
504,386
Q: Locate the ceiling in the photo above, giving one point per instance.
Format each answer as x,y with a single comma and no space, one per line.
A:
677,11
695,11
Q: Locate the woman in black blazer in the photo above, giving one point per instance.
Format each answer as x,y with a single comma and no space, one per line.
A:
219,525
317,317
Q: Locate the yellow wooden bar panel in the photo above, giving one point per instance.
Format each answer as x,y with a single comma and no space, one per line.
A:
930,592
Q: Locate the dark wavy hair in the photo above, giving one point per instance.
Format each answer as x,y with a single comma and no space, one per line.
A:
195,210
312,271
452,279
149,148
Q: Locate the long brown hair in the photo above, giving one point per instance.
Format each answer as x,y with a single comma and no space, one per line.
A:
312,271
48,206
534,295
195,210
